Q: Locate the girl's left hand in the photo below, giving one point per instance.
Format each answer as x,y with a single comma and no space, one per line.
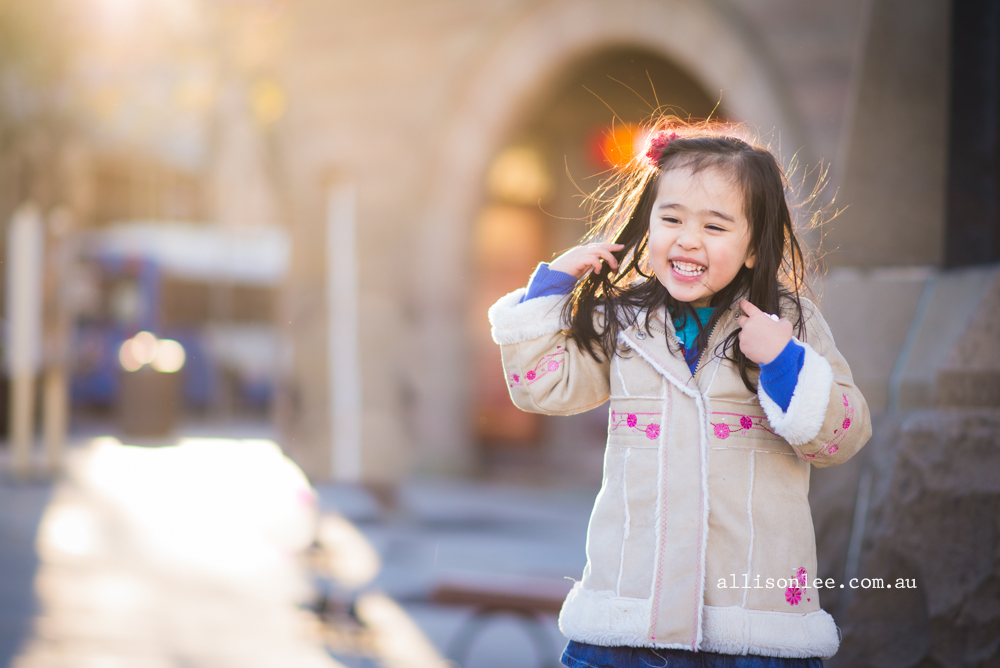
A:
761,337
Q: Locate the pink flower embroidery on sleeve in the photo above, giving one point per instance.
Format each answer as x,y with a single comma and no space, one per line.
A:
793,595
745,421
652,431
632,420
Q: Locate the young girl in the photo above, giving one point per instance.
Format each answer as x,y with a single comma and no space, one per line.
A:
725,385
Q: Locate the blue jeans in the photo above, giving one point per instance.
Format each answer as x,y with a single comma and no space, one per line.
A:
582,655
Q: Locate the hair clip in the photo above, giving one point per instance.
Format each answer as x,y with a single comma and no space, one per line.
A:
658,145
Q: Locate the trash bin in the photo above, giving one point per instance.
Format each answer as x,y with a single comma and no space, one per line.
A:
149,403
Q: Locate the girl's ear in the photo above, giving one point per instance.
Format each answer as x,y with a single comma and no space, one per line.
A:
751,258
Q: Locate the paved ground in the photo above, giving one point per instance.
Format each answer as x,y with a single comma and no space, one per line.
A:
192,556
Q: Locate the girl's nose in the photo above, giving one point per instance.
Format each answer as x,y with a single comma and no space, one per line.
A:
689,238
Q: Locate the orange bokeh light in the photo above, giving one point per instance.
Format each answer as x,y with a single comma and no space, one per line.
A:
615,146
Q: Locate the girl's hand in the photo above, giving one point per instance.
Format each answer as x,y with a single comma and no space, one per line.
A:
579,260
762,338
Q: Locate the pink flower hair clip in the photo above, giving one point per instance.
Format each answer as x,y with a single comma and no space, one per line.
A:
658,145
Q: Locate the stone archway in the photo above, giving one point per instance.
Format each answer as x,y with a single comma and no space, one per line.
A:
698,37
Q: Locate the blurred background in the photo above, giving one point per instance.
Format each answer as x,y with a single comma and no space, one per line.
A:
252,411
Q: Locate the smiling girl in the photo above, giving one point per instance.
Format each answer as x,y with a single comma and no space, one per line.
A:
725,387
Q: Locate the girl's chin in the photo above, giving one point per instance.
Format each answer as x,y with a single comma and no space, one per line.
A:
693,297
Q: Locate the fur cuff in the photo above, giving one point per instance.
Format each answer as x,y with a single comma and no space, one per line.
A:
735,630
601,618
807,410
516,322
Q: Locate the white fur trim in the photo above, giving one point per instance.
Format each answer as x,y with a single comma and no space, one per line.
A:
807,410
601,618
735,630
516,322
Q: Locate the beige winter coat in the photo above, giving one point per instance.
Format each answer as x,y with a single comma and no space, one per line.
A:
705,484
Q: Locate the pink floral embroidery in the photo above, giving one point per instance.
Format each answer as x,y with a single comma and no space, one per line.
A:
740,426
634,421
833,445
794,593
547,364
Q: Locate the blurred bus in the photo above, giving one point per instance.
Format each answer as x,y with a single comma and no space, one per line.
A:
212,289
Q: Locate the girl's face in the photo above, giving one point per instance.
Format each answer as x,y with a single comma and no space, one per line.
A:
698,234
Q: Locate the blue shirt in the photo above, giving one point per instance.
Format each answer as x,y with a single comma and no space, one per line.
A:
778,377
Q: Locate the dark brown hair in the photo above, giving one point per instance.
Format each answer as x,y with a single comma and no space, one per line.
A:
625,204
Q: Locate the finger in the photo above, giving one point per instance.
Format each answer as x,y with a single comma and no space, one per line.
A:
749,308
608,257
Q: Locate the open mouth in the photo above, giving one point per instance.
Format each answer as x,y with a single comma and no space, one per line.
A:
687,268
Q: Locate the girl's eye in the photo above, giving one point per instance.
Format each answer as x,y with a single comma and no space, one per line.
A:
716,228
670,220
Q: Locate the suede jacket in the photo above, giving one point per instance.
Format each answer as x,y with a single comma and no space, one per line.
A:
701,537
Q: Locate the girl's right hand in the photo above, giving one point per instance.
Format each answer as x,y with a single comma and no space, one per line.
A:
579,260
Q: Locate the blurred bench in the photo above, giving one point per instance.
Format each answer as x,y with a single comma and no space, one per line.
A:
527,599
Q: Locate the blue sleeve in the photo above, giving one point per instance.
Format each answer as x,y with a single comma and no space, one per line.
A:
780,376
545,282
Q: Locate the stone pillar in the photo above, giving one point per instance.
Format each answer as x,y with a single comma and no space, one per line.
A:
895,172
23,309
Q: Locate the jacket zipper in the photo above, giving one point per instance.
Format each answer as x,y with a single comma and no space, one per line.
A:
708,346
668,332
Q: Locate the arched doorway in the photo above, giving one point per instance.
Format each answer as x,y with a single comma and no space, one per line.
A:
536,206
504,86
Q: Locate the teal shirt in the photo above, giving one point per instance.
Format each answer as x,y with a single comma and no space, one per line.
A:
689,332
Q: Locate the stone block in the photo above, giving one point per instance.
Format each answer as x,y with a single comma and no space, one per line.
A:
952,301
869,313
933,522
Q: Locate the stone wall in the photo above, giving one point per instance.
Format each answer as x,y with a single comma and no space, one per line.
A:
921,503
933,522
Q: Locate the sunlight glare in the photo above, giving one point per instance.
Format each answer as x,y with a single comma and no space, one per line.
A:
65,530
399,641
350,558
226,507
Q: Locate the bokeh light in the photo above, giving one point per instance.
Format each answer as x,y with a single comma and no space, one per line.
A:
164,355
127,358
169,356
